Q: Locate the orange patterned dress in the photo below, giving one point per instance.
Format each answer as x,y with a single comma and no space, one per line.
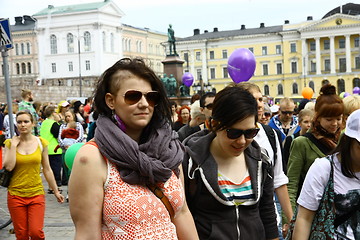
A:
134,212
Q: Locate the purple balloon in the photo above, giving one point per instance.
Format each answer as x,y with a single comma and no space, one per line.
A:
346,94
188,79
356,90
241,65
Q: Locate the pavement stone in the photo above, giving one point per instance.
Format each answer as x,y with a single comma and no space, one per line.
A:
58,223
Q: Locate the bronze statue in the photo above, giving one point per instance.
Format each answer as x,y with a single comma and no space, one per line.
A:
172,86
171,40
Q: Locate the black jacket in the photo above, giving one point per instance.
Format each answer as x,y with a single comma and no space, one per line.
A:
216,217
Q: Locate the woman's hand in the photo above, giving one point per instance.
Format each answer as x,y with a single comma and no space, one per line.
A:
60,198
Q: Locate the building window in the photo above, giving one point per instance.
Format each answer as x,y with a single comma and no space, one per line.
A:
53,44
312,66
312,46
139,46
17,68
327,64
17,49
87,41
280,89
266,90
264,50
356,42
23,68
342,64
326,44
53,67
198,74
112,48
22,49
212,73
212,55
341,43
279,68
71,66
340,85
186,58
104,41
29,67
70,42
251,49
293,67
28,48
129,45
356,82
224,54
265,69
295,89
312,85
198,56
87,65
292,47
357,62
278,49
225,72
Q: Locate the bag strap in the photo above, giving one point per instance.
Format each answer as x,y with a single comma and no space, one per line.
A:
40,144
160,194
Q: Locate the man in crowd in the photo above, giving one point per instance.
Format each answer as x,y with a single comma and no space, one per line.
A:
286,122
26,105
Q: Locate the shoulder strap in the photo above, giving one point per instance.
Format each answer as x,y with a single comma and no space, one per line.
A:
159,193
40,144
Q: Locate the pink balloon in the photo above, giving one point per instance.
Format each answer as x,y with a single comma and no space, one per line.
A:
241,65
188,79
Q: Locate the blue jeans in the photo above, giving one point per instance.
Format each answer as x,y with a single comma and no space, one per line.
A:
279,212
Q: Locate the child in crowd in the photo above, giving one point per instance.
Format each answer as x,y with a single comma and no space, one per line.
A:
69,135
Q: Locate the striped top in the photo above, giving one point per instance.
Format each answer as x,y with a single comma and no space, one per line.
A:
239,193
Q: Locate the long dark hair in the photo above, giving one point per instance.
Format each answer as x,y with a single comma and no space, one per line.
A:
344,148
233,104
137,67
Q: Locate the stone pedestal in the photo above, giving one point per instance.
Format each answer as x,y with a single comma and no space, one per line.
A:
174,65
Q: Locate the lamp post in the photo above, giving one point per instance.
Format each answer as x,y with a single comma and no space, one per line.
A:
79,53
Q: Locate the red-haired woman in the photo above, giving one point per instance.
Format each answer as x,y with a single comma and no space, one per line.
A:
183,117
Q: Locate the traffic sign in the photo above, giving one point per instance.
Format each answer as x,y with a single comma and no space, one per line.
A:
5,34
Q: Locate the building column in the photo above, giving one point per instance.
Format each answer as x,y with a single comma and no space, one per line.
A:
318,56
204,72
304,57
192,62
348,53
332,55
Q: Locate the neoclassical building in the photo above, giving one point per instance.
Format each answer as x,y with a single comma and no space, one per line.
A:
288,57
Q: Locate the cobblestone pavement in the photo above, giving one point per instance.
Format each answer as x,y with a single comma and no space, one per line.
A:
58,223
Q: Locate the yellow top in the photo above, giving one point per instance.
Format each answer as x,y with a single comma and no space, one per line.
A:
26,180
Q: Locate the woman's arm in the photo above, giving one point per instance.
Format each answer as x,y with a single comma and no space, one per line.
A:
303,223
81,132
86,192
184,222
60,140
10,153
49,175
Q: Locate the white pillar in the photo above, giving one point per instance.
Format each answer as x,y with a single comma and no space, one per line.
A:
304,57
332,54
192,63
348,53
204,65
318,56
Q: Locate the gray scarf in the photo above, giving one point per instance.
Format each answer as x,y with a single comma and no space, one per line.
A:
150,162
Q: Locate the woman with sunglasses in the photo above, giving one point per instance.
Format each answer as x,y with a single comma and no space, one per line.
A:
228,180
126,182
319,141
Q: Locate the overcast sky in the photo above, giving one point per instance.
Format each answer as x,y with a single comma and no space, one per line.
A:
186,15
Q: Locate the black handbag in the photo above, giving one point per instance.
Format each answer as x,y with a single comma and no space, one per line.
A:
5,177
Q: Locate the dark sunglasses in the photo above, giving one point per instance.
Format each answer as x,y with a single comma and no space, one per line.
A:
133,96
267,114
233,133
209,106
287,112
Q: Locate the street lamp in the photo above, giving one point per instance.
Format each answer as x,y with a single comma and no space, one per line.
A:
80,82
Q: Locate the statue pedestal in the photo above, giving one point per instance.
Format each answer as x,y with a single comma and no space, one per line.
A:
174,65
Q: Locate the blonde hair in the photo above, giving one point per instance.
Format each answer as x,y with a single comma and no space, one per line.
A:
305,112
351,103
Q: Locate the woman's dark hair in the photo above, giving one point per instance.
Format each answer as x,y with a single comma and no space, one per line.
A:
233,104
344,148
77,105
131,67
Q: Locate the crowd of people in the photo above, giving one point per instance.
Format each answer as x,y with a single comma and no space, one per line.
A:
227,166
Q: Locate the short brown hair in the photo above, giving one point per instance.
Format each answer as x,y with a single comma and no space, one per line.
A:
25,92
27,113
